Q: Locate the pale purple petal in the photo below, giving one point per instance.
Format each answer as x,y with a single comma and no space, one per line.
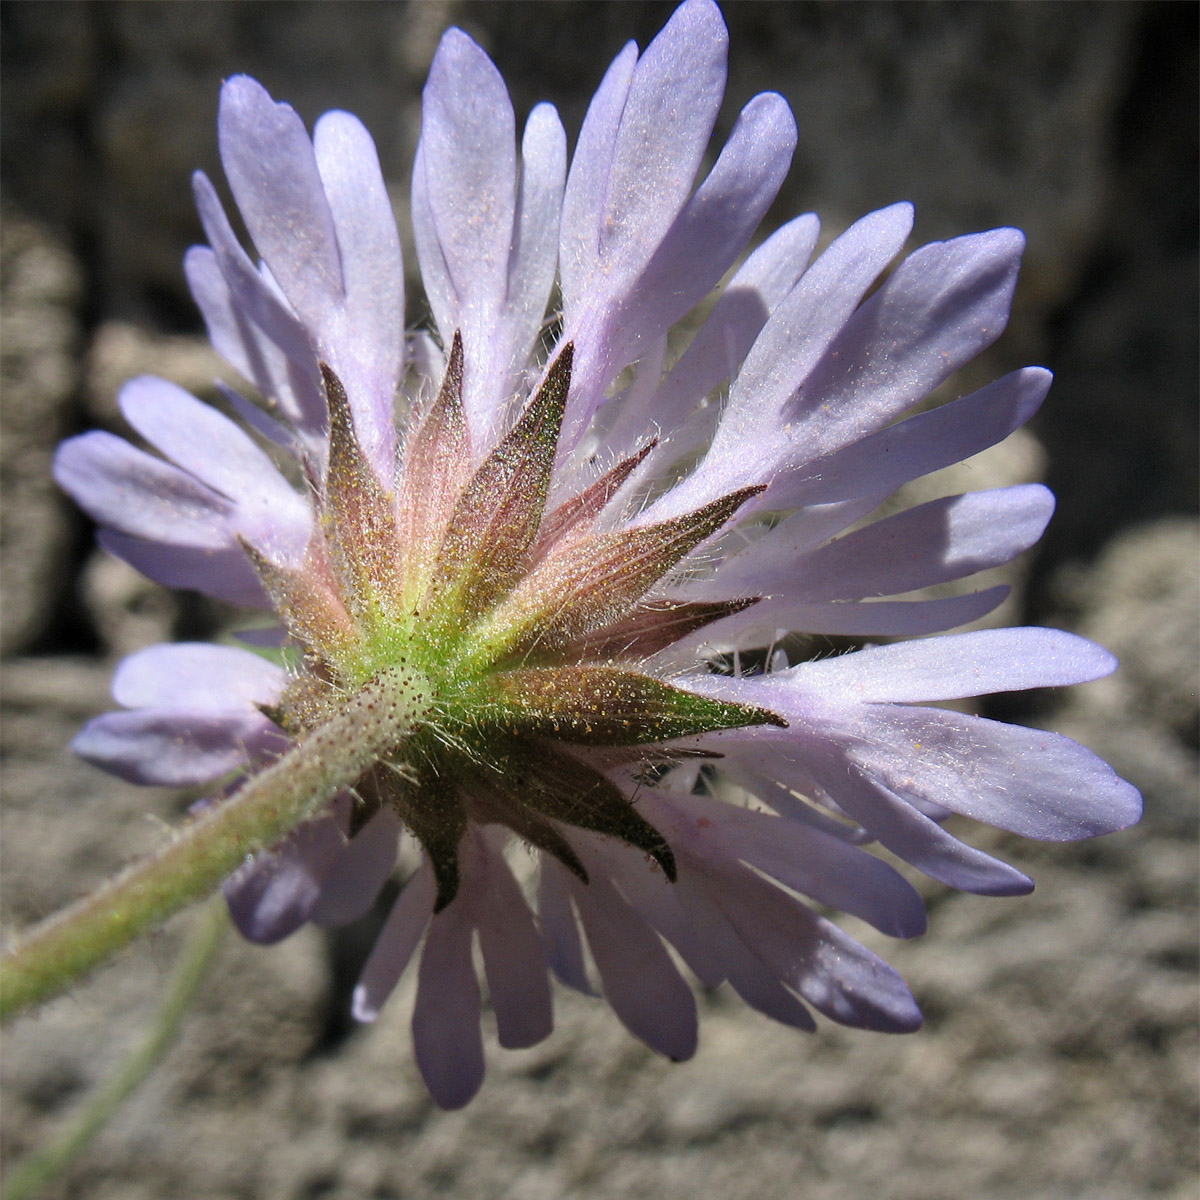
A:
469,185
696,251
803,326
1037,784
750,441
953,667
749,772
640,982
370,341
248,326
587,183
486,238
921,444
775,549
718,221
560,930
224,573
137,494
272,171
714,354
910,834
468,141
275,894
174,747
748,975
616,217
933,543
534,257
278,347
653,895
512,956
218,453
803,858
356,880
267,427
445,1024
197,677
821,745
395,944
836,975
943,305
777,615
435,273
258,300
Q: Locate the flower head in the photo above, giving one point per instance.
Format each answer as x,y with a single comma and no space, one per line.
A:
560,535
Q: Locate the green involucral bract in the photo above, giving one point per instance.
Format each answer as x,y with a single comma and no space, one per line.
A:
528,626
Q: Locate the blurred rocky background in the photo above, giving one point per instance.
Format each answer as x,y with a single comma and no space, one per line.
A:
1060,1052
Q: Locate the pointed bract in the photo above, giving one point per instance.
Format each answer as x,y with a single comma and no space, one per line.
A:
357,515
496,519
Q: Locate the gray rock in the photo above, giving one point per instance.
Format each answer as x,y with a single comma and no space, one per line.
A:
40,288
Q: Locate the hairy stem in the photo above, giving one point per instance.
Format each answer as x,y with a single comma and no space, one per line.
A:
31,1174
372,725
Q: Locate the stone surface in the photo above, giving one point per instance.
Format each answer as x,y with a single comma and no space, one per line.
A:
40,285
1059,1054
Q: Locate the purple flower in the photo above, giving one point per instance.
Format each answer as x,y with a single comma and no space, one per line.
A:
564,535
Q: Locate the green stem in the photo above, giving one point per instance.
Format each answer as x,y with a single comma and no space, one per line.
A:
263,810
31,1174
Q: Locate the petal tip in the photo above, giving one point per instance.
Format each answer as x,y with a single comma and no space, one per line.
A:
361,1007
